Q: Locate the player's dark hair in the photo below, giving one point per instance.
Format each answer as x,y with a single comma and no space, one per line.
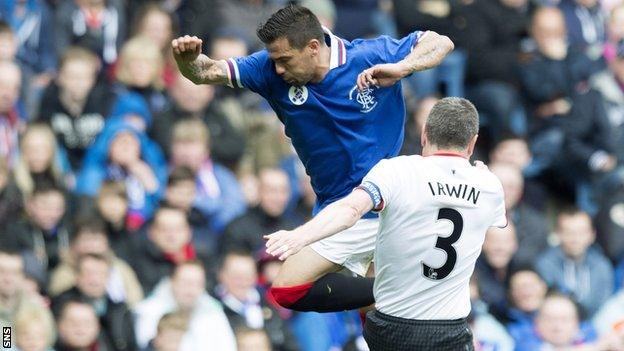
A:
296,23
452,123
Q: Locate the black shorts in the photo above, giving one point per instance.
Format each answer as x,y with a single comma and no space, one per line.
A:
387,333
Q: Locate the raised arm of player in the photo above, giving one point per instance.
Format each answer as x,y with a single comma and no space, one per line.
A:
333,219
197,67
431,49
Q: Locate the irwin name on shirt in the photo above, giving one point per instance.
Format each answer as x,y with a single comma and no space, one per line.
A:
460,191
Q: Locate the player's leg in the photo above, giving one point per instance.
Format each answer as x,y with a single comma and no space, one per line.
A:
308,280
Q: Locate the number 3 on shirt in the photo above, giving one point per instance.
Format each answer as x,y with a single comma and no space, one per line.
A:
446,244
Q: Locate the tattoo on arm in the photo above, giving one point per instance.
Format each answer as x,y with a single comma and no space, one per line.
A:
428,53
205,70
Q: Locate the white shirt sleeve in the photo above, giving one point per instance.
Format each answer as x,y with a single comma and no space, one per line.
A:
500,213
378,184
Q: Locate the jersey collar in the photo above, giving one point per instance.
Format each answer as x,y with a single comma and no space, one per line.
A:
338,51
449,153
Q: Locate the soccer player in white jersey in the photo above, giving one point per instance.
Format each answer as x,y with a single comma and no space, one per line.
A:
434,210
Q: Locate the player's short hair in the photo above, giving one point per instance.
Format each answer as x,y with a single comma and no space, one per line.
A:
452,123
296,23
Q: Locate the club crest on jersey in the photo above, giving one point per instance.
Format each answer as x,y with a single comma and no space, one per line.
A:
365,98
298,95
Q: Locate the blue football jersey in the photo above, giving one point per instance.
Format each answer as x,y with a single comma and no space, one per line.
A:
339,132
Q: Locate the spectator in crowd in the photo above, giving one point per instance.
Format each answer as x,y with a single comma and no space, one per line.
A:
249,113
152,21
76,104
557,326
531,226
513,151
140,74
89,238
493,267
246,14
248,339
34,330
13,299
569,119
168,242
444,17
40,159
243,303
610,83
92,277
245,232
185,290
576,267
307,199
181,193
11,113
171,329
42,231
489,334
31,20
97,25
124,154
191,101
615,31
586,23
497,30
218,193
79,328
8,42
527,291
415,124
112,206
11,200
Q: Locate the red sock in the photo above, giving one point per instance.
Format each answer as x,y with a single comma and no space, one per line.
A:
288,295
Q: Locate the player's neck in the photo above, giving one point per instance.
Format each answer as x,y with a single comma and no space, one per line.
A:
322,66
435,151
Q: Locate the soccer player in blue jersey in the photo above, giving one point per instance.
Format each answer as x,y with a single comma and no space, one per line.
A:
342,105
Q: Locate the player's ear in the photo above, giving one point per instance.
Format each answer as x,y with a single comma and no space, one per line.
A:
423,138
315,46
471,145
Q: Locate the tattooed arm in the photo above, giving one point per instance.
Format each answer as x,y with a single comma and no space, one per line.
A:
197,67
431,49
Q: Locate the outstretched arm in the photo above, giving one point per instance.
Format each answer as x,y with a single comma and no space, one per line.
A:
336,217
197,67
431,49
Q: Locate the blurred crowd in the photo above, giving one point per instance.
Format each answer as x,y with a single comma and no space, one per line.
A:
133,202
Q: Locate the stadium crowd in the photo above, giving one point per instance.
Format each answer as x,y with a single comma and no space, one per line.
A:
133,202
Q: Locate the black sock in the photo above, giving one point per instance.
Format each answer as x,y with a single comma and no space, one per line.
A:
335,292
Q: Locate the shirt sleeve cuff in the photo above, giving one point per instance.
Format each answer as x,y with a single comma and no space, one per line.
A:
373,191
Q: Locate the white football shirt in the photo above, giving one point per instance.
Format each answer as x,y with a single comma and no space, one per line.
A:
434,212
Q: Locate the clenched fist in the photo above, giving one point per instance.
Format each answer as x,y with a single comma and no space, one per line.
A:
186,48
